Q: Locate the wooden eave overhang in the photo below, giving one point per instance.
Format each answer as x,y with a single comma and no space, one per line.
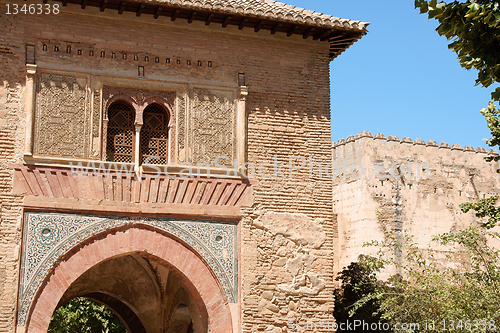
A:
340,37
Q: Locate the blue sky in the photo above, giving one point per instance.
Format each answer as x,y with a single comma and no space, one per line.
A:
401,79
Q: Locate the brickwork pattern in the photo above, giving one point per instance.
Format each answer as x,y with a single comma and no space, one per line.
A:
288,114
12,80
282,123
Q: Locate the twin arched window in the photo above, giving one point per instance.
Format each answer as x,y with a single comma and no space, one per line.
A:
121,134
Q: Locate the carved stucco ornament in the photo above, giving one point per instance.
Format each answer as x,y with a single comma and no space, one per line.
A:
62,112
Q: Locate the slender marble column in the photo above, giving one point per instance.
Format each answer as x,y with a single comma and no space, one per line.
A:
30,108
241,121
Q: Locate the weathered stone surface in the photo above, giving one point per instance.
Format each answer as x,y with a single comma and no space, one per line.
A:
432,143
295,226
392,138
364,134
267,295
308,284
419,142
273,307
280,262
412,189
444,145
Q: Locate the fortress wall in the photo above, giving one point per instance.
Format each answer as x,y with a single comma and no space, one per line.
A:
414,187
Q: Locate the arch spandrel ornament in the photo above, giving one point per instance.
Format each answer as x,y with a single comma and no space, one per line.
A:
49,236
140,99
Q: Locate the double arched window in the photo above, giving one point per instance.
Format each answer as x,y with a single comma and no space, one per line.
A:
123,129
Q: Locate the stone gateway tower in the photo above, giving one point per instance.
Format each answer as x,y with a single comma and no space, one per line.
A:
150,159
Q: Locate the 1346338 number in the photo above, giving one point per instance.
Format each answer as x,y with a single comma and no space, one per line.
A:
469,325
36,9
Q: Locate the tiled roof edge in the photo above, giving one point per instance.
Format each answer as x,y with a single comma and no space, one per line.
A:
269,9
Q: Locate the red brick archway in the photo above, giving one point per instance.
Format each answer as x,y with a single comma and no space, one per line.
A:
197,277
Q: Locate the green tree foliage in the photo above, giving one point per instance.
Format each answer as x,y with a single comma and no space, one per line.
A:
484,208
493,121
473,27
436,296
357,281
81,315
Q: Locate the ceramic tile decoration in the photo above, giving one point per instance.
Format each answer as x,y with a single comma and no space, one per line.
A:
48,236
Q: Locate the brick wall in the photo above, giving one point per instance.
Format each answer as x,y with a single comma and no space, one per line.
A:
288,114
11,128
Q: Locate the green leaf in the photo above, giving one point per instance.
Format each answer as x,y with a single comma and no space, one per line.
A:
419,3
424,7
496,94
473,7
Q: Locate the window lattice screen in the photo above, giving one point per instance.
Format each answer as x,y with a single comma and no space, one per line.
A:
154,135
120,136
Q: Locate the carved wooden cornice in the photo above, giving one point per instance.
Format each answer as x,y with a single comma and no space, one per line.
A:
58,188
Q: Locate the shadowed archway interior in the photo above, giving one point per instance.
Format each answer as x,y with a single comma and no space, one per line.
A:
142,292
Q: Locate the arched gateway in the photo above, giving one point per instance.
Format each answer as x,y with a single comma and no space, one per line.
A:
150,160
154,280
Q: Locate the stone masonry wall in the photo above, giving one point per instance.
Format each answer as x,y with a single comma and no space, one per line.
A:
12,80
413,186
287,235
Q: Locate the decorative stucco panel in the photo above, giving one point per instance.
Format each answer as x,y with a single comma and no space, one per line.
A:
61,116
212,127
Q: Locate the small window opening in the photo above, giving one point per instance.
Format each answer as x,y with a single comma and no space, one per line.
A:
154,135
120,133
